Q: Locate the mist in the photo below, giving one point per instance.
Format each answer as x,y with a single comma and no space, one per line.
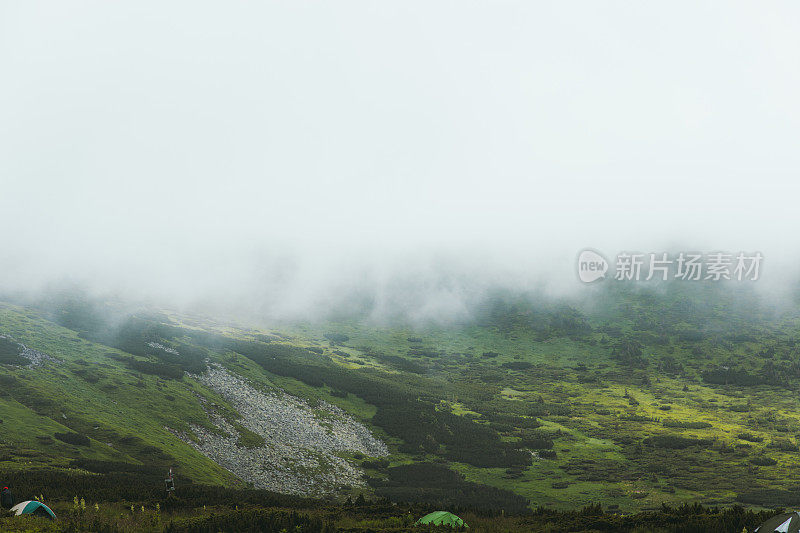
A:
291,159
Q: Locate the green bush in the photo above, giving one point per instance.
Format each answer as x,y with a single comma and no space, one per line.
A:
749,437
675,442
73,438
247,438
685,425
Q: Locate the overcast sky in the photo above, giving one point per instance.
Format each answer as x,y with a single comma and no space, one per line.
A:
206,148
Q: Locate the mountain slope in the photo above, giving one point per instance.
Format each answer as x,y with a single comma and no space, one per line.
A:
676,394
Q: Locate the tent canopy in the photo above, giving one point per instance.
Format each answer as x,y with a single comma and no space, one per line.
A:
33,508
441,518
783,523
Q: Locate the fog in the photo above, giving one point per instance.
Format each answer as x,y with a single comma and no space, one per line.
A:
290,158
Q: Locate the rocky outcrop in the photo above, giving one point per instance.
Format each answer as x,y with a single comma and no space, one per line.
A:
35,357
303,446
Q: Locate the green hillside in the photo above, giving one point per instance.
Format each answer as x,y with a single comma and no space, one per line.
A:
630,399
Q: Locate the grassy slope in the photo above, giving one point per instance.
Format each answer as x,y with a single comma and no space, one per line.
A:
600,452
596,423
115,405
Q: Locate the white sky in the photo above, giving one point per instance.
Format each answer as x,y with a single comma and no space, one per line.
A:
179,147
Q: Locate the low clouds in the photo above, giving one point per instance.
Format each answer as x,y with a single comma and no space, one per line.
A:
286,158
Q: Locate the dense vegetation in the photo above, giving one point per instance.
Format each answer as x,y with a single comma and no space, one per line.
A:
365,516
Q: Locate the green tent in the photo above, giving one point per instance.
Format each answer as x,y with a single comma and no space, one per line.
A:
32,507
783,523
441,518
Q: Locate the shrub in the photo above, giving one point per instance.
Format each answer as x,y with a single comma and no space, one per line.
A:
723,376
162,370
674,442
547,454
377,464
73,438
537,443
336,338
437,486
629,352
783,445
247,438
517,365
638,418
685,425
749,437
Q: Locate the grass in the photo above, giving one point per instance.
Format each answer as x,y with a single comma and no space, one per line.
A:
138,405
248,439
